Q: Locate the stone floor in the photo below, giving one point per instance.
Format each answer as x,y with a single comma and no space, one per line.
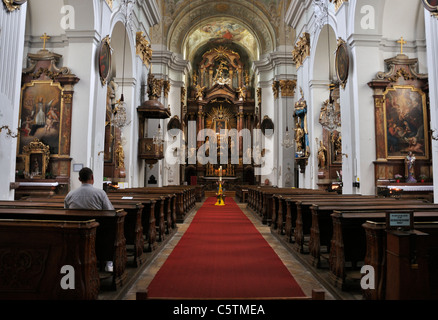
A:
306,276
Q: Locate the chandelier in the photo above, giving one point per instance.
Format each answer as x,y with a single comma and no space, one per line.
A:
120,117
288,141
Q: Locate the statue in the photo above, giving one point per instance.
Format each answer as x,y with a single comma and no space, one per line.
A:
299,136
199,92
120,156
322,155
409,165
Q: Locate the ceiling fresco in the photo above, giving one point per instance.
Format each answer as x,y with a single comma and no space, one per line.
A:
257,25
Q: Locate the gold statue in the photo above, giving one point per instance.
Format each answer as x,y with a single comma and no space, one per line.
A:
322,155
120,156
299,136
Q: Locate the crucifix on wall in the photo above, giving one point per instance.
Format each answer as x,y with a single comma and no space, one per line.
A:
402,42
44,37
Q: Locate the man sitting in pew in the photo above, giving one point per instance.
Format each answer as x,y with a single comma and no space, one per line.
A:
88,197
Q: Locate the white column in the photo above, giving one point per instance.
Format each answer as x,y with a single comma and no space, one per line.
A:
12,27
432,63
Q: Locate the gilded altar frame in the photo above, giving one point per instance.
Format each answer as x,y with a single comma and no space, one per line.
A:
401,104
36,159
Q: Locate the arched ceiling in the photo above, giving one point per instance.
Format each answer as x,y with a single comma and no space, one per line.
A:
256,25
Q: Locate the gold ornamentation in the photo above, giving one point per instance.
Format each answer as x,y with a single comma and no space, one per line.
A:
379,102
120,156
402,42
52,75
401,73
338,3
259,97
143,48
36,169
276,88
166,88
68,97
288,88
301,49
12,5
109,3
199,92
44,37
154,87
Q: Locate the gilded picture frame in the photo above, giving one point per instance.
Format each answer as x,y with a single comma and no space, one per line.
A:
342,62
431,5
406,122
104,60
36,159
41,114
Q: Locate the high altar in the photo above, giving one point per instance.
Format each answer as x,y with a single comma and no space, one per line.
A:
221,98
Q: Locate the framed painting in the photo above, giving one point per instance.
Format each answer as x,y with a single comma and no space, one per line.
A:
431,5
41,114
342,62
36,157
104,62
406,122
219,125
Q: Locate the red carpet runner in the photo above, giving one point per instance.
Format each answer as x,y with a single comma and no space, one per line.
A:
223,255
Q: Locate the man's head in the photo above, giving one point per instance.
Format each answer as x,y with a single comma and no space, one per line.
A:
86,175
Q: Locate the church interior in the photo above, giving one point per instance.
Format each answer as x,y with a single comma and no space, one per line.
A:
300,136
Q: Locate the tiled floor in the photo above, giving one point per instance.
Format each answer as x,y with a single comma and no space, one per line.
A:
303,276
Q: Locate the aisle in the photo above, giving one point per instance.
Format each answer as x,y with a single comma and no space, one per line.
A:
222,255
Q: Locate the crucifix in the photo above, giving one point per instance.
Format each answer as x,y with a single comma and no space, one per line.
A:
44,37
402,42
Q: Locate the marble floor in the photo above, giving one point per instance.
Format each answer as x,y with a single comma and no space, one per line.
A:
302,274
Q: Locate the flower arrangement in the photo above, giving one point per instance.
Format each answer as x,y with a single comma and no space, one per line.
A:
398,177
422,177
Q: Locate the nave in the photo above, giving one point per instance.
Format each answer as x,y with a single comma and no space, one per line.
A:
307,280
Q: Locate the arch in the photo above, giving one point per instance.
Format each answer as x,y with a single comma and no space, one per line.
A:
325,44
245,12
412,15
119,67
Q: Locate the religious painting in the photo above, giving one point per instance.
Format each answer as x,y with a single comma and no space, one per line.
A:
406,122
104,60
40,114
220,125
336,147
342,62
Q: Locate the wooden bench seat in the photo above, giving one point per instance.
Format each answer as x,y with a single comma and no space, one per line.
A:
349,241
284,213
132,224
304,218
376,251
162,220
33,252
321,230
110,238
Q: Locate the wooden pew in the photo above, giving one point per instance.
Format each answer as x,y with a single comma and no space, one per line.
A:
133,229
285,214
110,238
186,196
321,230
264,205
375,256
33,253
304,218
349,243
161,212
